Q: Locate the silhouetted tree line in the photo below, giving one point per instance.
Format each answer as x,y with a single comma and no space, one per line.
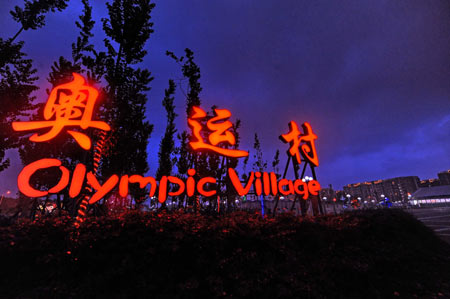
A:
123,86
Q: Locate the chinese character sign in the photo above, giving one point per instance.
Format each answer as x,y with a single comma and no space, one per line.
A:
69,105
295,138
218,129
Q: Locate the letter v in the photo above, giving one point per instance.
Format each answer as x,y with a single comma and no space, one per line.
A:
102,190
237,184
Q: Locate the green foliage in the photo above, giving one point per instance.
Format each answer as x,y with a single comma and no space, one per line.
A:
167,145
206,163
87,24
128,26
123,99
276,162
63,147
182,151
259,164
17,75
244,168
191,71
32,16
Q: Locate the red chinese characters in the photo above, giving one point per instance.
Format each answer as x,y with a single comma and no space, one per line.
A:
295,139
69,105
218,128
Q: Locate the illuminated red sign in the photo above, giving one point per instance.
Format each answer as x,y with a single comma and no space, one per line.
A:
295,138
69,105
270,185
219,132
72,104
264,182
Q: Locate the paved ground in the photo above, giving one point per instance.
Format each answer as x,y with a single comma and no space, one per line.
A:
437,219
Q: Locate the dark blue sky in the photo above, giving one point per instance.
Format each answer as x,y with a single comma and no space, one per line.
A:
372,77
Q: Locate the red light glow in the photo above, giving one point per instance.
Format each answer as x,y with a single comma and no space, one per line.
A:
70,104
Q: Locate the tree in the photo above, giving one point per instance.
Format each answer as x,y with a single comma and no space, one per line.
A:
128,26
33,15
259,164
191,71
206,163
167,145
187,158
123,98
17,75
63,148
276,162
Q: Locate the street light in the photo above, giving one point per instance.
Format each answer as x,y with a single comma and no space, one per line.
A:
307,178
7,193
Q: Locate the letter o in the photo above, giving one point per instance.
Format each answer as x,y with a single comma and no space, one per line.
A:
23,180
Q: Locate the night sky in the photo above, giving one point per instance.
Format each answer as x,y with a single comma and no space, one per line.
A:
371,77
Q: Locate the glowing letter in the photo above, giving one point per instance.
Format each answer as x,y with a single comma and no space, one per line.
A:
190,183
202,183
258,185
295,138
23,180
102,190
273,182
179,182
219,133
266,183
77,180
237,184
71,105
162,193
286,182
303,192
313,187
123,186
144,181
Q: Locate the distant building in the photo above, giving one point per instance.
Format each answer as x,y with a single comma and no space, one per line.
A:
444,177
431,195
442,180
429,183
396,189
327,193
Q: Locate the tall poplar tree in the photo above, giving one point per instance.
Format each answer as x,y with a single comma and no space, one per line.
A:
63,147
123,96
259,164
17,75
128,28
167,145
206,163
